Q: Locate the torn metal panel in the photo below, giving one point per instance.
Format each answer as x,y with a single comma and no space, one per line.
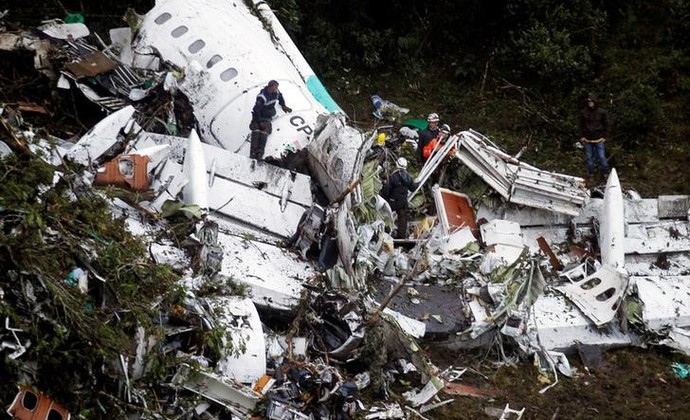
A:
454,210
32,405
92,65
347,238
41,47
457,241
243,194
125,171
277,347
239,400
598,295
51,150
375,248
504,241
336,155
166,183
274,274
679,339
434,162
439,307
561,328
431,388
276,410
674,264
411,326
65,31
518,182
665,299
109,103
230,47
674,207
661,237
558,236
240,317
18,347
101,137
4,149
156,155
643,210
341,325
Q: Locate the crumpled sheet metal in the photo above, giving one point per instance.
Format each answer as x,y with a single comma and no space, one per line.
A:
599,294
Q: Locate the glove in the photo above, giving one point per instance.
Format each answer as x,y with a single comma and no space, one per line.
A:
287,109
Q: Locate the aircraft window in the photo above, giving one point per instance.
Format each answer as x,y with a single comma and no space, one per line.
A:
54,415
338,166
179,31
196,46
30,400
213,61
228,74
162,18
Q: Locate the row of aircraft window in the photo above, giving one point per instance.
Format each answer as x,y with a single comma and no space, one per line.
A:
196,46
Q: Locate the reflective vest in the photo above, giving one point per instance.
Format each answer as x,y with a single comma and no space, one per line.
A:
430,147
433,145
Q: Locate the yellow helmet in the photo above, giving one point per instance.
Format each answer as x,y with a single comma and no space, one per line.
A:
381,139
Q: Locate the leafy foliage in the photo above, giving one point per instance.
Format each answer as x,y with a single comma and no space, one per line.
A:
46,234
518,70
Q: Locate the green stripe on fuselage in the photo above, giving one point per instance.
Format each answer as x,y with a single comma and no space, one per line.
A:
318,90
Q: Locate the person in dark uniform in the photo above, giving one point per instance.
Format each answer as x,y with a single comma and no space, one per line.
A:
593,130
263,112
395,191
425,136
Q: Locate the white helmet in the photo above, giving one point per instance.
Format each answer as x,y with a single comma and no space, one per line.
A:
401,163
433,117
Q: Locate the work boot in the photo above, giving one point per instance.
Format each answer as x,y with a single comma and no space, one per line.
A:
258,145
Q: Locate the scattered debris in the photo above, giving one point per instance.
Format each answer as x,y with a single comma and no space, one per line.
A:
31,405
273,286
681,370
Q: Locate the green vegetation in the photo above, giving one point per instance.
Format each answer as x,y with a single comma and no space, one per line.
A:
46,233
517,71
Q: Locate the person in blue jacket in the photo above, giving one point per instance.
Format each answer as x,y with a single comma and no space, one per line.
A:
263,112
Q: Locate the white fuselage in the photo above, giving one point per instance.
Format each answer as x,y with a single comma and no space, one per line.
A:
228,56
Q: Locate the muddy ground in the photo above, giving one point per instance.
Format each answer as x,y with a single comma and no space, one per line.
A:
632,383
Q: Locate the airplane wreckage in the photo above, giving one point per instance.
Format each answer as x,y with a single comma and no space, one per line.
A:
534,259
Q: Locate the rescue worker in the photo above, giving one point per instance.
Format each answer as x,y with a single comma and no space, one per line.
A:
425,136
383,344
436,142
375,354
395,191
593,129
263,112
